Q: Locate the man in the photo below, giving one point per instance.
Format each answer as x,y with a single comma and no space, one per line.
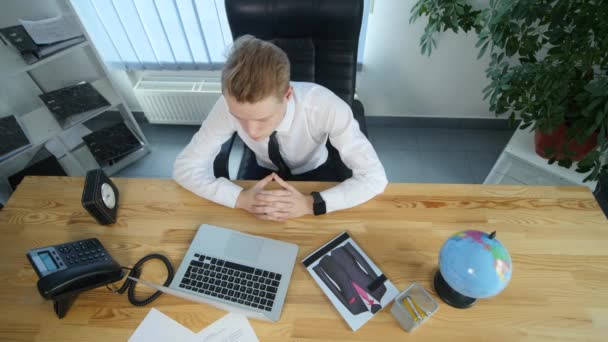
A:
286,124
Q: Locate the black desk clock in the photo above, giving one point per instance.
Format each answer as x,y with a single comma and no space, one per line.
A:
100,197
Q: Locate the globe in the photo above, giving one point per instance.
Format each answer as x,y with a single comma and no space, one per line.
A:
472,265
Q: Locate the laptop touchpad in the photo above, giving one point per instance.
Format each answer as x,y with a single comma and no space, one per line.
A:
243,247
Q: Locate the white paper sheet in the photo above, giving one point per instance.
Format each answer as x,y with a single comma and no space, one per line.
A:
156,326
52,30
159,327
230,328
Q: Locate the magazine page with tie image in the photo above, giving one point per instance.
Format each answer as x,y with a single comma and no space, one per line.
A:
352,282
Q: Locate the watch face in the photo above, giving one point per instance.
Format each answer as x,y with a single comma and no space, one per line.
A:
107,195
100,197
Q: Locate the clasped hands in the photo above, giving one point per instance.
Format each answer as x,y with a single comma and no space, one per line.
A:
275,205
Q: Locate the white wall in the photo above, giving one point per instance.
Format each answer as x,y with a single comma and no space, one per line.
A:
398,81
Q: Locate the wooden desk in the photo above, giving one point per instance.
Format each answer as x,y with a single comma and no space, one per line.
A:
557,237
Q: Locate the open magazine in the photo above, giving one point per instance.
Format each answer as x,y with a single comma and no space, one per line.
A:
351,281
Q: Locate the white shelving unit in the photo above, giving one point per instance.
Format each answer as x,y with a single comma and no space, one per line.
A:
77,63
519,164
13,64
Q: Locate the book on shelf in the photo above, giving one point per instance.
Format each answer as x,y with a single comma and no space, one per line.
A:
70,101
29,50
109,145
12,138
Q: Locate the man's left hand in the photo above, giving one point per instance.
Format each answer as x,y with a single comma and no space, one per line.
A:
290,202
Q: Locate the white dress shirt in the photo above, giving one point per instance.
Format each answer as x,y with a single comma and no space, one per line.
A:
313,115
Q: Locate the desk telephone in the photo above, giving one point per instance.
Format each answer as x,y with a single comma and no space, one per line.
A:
67,269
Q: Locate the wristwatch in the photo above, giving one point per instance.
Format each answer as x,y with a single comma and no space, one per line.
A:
318,204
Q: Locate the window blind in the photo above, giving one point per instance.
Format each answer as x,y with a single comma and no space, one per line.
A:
134,34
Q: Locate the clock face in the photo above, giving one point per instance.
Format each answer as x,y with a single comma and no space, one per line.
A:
108,196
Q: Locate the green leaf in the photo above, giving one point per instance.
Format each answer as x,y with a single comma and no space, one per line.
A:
459,9
512,120
589,159
594,174
582,169
481,41
526,125
511,46
556,50
595,88
488,87
596,125
566,163
487,95
432,27
589,108
602,135
454,24
483,50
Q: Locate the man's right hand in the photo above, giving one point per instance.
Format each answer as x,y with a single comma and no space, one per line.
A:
247,200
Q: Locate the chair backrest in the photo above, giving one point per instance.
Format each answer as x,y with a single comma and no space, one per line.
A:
320,37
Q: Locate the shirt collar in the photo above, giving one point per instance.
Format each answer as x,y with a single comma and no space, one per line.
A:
285,124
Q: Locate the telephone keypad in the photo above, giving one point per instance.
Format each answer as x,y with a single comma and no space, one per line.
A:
81,252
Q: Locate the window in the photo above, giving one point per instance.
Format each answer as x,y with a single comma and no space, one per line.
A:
134,34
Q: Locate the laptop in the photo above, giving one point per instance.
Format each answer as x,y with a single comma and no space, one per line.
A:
236,272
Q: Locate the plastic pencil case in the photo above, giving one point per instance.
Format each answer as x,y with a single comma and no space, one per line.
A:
413,307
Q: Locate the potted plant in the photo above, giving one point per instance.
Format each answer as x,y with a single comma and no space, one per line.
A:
549,66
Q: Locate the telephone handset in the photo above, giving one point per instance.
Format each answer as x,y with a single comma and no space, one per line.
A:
67,269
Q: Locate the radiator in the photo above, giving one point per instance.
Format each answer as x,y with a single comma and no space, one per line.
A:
177,100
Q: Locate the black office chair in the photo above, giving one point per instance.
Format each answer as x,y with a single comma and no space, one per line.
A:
321,39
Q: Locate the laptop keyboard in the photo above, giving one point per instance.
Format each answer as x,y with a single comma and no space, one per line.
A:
230,281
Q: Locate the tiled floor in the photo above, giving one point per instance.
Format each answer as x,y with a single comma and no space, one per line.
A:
437,155
458,151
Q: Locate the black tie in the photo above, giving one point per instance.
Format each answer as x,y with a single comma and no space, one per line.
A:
275,156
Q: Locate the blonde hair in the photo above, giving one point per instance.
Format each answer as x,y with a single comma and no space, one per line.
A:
254,70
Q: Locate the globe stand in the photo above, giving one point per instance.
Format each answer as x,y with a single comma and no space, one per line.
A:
450,296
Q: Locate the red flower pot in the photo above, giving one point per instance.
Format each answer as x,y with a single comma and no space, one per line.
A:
557,141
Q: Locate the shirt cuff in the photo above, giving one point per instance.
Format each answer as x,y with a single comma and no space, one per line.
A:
334,199
229,193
